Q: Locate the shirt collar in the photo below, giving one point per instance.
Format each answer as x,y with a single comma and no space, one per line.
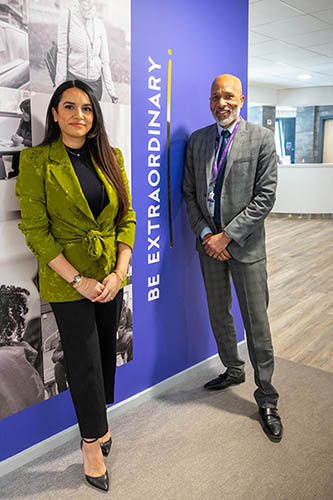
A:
230,129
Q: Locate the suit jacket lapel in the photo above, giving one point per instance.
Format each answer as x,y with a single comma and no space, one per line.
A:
210,154
63,171
238,144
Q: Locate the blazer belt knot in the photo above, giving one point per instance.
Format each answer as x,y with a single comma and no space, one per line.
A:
96,243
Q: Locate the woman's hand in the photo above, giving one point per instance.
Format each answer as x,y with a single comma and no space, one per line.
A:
17,139
90,288
112,284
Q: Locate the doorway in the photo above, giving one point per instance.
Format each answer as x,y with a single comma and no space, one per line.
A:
328,141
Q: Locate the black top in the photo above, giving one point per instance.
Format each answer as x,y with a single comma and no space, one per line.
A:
91,184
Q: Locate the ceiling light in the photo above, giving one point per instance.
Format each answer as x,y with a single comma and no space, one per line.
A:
305,76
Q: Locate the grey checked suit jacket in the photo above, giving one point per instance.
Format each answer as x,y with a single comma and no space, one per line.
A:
248,191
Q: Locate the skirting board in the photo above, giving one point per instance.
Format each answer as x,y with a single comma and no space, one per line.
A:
39,449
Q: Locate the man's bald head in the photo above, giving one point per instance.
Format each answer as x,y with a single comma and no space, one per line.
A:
229,81
226,99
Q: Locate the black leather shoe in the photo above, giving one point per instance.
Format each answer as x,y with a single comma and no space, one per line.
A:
271,423
223,381
100,482
106,447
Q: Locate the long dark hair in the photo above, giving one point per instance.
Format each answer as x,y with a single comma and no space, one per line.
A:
97,140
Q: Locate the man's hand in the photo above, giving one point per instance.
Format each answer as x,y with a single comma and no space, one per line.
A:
225,255
215,246
207,236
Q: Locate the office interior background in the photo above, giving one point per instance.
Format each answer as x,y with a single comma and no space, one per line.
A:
289,89
291,92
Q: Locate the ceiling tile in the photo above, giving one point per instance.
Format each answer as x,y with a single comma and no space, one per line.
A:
266,11
310,5
273,80
283,50
294,60
319,80
310,39
270,47
325,15
264,77
289,26
286,71
326,49
309,64
323,68
256,38
259,64
284,43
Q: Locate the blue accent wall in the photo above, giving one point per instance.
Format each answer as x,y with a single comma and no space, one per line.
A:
172,333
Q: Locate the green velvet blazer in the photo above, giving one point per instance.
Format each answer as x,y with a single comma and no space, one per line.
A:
56,218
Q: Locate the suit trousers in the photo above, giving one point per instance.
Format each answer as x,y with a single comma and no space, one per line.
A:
88,335
250,282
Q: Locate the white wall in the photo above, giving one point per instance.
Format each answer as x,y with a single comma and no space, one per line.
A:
261,96
270,96
285,112
305,189
311,96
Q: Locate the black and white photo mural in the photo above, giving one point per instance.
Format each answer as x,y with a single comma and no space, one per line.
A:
14,44
42,44
83,39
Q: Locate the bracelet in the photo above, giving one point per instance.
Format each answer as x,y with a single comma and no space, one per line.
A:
85,288
81,283
117,273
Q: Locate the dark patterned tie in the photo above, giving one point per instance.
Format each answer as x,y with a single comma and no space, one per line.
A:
219,181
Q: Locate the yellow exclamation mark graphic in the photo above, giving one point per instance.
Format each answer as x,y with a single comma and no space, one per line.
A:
168,150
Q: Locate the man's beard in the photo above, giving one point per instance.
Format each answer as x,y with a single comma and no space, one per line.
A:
234,114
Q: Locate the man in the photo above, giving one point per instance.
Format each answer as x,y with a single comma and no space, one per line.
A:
229,187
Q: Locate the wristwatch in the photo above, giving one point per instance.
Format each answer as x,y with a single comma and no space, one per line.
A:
77,278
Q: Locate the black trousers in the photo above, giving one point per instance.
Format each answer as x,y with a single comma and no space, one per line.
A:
88,335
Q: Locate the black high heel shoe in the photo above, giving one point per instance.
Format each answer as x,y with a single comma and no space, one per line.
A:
106,447
100,482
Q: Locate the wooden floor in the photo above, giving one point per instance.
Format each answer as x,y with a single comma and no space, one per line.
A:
300,276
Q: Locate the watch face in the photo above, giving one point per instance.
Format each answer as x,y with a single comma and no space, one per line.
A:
76,279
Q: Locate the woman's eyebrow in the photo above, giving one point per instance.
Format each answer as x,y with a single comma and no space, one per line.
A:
71,102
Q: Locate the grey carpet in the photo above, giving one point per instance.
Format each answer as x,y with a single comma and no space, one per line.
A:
190,444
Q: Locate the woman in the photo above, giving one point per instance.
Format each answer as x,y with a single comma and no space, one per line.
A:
83,50
78,221
23,133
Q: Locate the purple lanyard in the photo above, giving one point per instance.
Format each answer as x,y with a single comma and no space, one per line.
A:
217,167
